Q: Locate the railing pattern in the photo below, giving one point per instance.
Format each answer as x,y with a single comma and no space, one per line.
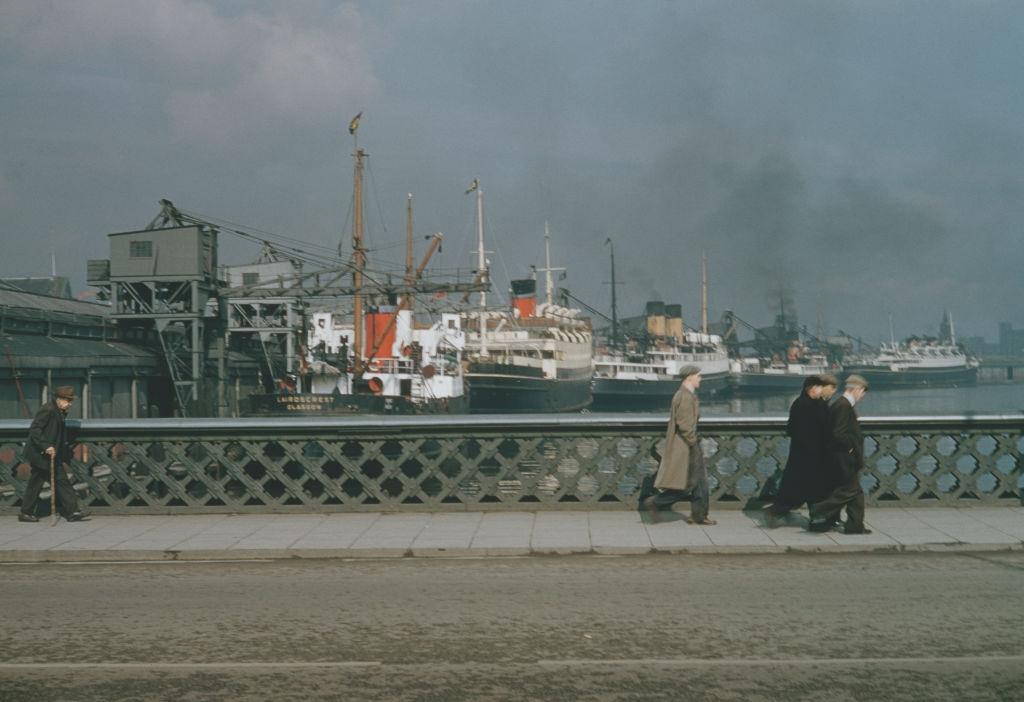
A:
493,462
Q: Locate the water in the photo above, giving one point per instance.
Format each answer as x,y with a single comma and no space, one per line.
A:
979,399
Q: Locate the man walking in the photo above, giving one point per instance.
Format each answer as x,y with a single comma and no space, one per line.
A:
805,477
48,441
681,474
846,446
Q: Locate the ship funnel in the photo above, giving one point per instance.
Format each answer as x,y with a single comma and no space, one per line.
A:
656,318
524,297
674,322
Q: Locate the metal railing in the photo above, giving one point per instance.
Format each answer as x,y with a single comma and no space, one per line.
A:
522,462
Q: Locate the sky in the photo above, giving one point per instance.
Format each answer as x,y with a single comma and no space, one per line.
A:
858,159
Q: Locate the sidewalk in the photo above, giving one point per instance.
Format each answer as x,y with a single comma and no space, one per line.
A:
377,535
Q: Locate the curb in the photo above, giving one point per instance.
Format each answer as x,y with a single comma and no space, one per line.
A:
198,555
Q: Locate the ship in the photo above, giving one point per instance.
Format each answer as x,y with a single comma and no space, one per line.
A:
645,379
377,358
640,372
751,376
919,362
528,357
416,369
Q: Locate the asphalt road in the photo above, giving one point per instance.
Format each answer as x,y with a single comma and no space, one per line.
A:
794,627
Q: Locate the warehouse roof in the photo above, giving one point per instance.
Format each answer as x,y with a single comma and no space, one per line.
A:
47,303
31,351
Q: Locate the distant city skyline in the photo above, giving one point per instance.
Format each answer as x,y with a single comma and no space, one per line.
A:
861,158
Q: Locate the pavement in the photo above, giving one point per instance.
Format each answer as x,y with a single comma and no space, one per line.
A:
493,534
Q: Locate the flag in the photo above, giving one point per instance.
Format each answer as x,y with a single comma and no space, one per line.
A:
473,186
608,241
354,124
563,275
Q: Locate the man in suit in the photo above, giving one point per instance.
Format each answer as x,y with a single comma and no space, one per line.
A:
804,478
681,474
846,448
48,440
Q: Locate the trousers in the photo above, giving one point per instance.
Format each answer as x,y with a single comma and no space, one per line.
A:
67,501
696,492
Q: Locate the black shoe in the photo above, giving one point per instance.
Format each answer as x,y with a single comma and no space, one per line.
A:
27,517
862,530
821,527
78,517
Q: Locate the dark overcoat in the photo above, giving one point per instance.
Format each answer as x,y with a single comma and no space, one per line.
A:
846,441
48,429
806,476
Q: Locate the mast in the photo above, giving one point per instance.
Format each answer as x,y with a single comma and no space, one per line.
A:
892,332
481,264
359,263
548,270
704,292
408,239
615,311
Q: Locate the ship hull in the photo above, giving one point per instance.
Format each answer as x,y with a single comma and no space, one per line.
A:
622,395
512,389
324,405
758,383
931,377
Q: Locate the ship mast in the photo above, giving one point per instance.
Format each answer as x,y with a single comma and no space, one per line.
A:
704,292
408,239
359,263
481,264
548,270
615,311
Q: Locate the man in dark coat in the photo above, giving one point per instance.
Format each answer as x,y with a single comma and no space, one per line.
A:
805,477
48,438
846,448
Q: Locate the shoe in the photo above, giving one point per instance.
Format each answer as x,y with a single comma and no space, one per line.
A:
78,517
27,517
821,527
862,530
771,518
652,509
706,521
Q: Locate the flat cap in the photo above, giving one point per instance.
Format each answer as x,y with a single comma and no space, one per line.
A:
686,371
65,392
856,381
828,379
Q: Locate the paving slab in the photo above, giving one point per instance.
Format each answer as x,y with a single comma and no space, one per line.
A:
504,534
447,534
618,533
561,532
392,534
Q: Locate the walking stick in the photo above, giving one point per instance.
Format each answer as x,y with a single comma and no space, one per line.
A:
53,490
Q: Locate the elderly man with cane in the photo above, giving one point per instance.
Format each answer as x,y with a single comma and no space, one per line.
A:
47,450
682,474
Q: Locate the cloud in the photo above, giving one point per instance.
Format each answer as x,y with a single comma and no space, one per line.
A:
226,79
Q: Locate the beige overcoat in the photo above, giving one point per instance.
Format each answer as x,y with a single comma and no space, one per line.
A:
680,438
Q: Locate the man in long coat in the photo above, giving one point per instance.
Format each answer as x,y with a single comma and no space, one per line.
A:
681,474
48,439
806,476
846,446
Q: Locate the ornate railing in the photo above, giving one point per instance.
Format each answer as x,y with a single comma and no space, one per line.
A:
493,462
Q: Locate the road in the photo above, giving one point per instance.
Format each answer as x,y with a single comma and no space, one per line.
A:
795,627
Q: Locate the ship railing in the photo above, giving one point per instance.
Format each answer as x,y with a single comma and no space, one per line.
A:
493,462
